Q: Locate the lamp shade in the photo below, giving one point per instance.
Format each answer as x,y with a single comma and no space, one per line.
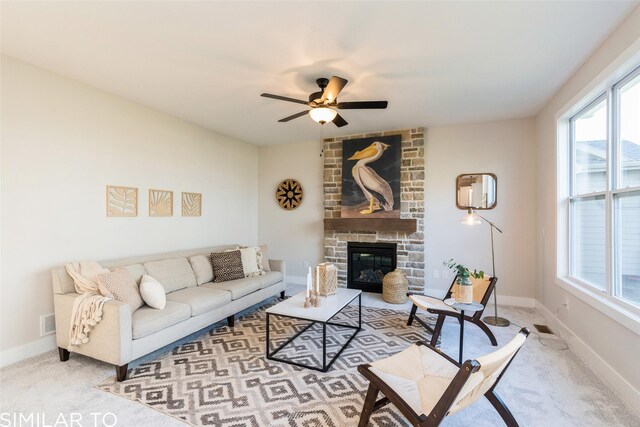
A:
323,115
470,218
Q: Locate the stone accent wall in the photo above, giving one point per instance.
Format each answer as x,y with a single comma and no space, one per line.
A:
410,245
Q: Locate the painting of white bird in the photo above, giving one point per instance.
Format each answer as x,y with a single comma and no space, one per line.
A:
371,177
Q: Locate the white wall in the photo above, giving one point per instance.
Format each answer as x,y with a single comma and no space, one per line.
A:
62,142
505,148
604,343
297,235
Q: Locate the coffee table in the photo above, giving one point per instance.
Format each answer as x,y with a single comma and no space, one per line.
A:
329,307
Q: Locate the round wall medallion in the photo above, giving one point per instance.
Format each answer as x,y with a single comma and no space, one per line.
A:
289,194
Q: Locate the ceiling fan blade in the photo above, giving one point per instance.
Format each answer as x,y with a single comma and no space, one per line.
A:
336,84
360,105
295,116
339,121
283,98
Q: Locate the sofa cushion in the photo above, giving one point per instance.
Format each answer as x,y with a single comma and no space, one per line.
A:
173,273
239,287
152,292
136,271
146,320
264,250
201,299
122,287
202,268
227,265
270,278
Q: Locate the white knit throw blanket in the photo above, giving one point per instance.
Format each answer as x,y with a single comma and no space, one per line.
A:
87,307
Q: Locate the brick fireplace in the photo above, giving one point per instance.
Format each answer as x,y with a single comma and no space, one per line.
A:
409,244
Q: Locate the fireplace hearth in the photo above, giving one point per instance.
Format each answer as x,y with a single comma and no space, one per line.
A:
367,263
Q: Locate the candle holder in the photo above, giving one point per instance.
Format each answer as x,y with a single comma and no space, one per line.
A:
306,302
316,300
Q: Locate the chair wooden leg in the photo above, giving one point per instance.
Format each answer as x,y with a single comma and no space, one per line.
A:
502,409
121,372
487,331
369,404
231,321
412,314
437,330
63,353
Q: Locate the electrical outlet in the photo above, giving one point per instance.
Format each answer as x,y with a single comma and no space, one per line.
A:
436,274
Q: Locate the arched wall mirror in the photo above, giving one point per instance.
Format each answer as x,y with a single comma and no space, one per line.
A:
477,191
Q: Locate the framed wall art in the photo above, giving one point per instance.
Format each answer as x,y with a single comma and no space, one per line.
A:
122,201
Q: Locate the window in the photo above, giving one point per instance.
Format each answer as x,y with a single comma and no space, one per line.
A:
604,193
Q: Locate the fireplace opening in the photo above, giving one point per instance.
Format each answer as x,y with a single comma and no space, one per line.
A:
367,263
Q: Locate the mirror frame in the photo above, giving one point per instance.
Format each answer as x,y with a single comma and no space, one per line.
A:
495,178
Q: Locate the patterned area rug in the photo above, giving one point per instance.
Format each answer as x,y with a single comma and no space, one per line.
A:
223,378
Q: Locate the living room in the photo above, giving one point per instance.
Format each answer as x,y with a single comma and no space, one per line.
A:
136,144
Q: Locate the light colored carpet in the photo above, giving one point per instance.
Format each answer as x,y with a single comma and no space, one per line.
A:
559,391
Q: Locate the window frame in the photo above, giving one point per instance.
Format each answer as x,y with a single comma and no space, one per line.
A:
608,300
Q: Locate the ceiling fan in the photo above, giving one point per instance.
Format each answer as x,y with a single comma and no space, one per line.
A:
324,103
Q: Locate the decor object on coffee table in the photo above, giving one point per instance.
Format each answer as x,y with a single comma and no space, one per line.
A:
473,218
482,289
295,308
160,203
394,287
327,276
191,204
442,388
122,201
289,194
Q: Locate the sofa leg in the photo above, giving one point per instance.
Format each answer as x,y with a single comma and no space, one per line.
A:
63,353
231,320
121,372
282,295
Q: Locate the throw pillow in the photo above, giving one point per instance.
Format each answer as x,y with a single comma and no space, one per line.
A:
227,266
264,251
152,292
123,287
251,258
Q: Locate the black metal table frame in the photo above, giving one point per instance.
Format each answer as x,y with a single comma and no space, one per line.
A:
325,367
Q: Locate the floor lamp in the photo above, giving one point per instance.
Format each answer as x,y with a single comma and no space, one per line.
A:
472,219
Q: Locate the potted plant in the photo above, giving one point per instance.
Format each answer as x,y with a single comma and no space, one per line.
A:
463,280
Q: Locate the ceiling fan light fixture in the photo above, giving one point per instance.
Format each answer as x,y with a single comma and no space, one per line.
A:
323,115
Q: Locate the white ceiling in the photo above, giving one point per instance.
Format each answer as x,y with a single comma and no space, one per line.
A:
436,63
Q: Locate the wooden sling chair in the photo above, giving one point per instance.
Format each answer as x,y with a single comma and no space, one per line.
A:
482,289
426,385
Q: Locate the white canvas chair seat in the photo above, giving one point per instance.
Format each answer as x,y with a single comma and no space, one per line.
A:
429,303
419,376
427,385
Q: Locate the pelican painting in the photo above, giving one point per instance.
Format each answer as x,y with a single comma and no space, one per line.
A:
371,177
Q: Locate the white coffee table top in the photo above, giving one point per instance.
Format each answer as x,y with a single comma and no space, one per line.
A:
329,305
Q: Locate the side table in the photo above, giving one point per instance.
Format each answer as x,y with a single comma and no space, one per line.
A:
461,307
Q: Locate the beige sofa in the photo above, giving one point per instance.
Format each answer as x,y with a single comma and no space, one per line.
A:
193,303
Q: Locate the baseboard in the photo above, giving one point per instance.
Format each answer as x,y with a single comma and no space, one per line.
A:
627,392
25,351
